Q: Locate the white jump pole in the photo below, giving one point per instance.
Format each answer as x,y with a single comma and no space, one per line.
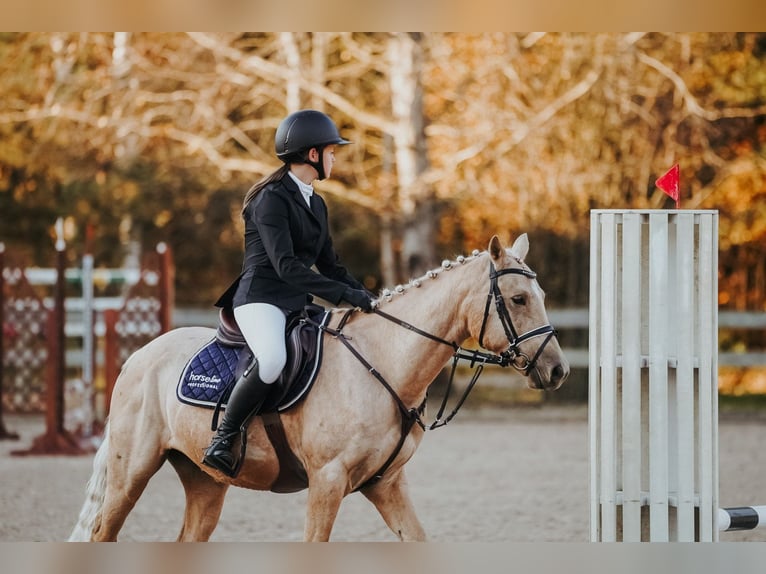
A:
741,518
653,369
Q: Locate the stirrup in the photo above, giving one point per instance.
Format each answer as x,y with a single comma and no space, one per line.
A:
218,464
219,446
213,461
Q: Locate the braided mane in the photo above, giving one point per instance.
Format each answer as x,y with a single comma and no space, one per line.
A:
387,295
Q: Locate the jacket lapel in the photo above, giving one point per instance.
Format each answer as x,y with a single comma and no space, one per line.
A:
297,196
315,216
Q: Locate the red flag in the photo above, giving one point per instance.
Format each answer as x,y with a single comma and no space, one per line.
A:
669,184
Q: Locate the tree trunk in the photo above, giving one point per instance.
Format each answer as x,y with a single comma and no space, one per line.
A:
416,202
293,62
319,55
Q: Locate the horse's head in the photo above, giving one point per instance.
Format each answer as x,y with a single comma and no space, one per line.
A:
515,322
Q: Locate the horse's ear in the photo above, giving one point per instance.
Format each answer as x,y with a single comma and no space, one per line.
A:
496,249
520,247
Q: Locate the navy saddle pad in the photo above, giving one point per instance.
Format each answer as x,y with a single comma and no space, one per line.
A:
209,373
214,367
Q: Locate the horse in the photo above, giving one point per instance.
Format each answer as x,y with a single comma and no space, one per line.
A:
348,432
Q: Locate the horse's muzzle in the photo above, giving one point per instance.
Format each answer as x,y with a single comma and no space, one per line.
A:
548,381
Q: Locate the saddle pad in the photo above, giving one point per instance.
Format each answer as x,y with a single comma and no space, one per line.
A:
209,372
213,368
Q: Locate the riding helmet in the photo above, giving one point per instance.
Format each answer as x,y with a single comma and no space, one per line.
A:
300,131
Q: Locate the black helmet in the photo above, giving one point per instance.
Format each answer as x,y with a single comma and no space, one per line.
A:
303,130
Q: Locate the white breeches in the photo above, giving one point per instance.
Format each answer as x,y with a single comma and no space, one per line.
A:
263,327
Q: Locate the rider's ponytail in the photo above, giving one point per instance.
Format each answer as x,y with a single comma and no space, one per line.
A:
274,176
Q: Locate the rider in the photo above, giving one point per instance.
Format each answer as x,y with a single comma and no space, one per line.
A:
286,233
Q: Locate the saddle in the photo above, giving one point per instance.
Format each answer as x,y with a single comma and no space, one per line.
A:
303,345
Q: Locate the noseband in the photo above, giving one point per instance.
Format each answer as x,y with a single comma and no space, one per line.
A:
513,355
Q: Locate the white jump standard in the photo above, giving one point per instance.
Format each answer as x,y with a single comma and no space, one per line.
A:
653,367
653,379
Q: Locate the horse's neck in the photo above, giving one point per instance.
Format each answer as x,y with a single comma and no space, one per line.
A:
436,307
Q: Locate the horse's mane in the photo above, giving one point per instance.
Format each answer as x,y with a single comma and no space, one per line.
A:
387,295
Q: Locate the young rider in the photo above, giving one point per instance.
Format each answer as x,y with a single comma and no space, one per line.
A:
286,234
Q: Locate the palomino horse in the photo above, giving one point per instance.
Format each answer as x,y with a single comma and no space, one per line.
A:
375,373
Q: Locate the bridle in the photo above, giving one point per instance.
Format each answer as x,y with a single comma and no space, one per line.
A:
513,355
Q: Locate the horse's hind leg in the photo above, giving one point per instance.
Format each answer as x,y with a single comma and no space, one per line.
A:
392,499
204,499
135,455
127,477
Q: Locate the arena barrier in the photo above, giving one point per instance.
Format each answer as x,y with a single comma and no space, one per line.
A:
49,345
653,379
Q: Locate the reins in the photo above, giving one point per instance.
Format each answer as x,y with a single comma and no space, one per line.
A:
512,356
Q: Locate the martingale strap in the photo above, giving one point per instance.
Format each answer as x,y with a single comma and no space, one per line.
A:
411,416
476,358
408,416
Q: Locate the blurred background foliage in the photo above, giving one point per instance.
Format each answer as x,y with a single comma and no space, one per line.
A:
156,137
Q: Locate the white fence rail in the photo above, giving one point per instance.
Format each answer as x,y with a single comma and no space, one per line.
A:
562,319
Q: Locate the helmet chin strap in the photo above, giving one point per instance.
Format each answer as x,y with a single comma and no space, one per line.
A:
318,165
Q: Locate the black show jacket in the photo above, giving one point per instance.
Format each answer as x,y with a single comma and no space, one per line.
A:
284,238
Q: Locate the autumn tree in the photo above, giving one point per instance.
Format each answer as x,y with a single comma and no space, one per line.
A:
457,137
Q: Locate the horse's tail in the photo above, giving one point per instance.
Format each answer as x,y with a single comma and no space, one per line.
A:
90,514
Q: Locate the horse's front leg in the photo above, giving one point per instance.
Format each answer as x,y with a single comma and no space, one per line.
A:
392,499
327,488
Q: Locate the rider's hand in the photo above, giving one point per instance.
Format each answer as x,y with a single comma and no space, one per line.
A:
358,298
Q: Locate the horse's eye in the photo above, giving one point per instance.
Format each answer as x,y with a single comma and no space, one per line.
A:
519,300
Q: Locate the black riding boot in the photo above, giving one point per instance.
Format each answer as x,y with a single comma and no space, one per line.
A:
245,401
